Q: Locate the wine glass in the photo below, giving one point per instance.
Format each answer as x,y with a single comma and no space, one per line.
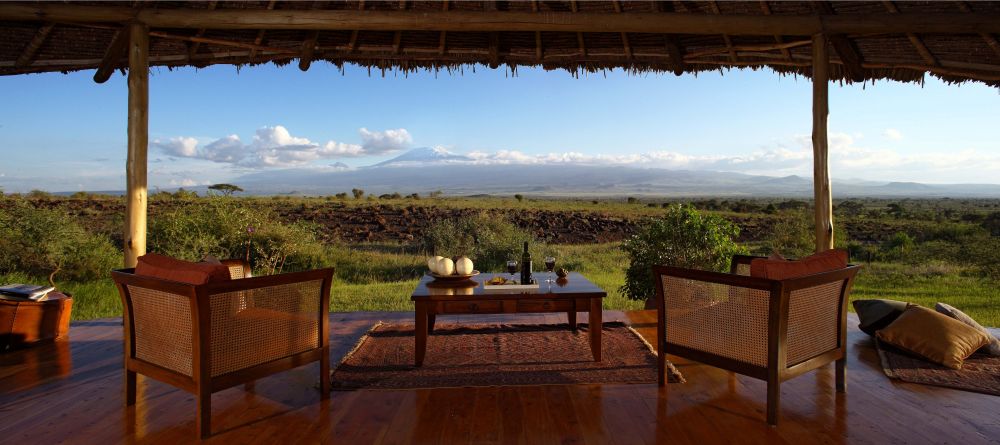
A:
512,268
550,265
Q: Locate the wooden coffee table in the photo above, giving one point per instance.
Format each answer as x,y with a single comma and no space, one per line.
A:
576,294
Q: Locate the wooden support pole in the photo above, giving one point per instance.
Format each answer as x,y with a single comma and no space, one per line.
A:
138,139
821,170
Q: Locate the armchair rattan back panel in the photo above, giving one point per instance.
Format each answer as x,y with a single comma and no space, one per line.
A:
772,330
209,337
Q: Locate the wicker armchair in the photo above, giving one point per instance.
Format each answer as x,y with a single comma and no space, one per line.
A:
206,338
768,329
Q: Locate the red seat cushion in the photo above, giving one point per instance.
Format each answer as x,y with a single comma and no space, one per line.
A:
782,269
167,268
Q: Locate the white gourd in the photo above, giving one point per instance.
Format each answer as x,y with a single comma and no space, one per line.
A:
446,266
464,266
433,263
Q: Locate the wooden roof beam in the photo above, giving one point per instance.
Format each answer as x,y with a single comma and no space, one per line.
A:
116,51
260,34
443,45
494,55
28,55
397,38
309,44
671,42
725,37
193,49
632,22
846,49
625,43
989,39
539,51
579,35
914,39
766,9
353,43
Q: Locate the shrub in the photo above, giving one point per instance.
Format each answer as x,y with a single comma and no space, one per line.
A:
358,193
225,189
519,197
490,241
793,234
683,237
225,228
897,246
631,200
45,241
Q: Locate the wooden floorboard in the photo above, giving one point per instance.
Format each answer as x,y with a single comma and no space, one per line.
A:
71,392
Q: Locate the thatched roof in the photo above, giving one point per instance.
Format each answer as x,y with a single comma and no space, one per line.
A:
956,41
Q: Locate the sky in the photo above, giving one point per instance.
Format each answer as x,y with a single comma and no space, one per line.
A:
63,132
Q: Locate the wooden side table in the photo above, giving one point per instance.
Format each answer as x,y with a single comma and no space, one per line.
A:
24,322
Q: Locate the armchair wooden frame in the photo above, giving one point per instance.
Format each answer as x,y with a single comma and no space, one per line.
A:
264,354
775,367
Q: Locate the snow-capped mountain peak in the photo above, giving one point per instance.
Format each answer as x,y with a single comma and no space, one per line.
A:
423,156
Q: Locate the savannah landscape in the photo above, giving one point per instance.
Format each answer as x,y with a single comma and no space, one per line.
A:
920,250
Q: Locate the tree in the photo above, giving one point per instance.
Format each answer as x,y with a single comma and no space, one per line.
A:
358,193
225,189
683,237
519,197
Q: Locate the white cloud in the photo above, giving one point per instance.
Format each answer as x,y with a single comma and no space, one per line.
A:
179,146
227,149
187,182
379,142
893,134
277,147
849,158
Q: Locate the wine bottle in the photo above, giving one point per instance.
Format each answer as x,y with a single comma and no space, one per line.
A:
525,265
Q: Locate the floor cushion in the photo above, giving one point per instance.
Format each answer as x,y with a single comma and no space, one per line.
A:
993,348
933,336
877,314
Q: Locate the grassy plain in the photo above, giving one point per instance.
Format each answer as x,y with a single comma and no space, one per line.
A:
376,278
380,276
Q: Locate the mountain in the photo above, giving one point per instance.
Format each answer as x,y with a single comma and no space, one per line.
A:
423,156
425,170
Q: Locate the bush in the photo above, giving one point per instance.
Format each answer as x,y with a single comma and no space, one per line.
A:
898,246
225,228
683,237
488,240
41,241
793,234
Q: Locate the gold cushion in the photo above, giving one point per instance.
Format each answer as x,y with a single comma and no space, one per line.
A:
933,336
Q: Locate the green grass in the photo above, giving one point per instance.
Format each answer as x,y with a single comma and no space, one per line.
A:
377,277
927,285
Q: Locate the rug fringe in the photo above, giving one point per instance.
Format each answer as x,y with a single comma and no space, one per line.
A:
670,366
883,361
357,345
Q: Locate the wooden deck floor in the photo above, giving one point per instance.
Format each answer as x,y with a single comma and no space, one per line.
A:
72,393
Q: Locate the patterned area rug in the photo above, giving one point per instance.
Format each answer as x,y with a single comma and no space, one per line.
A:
497,355
980,373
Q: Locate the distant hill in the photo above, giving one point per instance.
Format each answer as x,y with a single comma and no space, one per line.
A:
424,170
